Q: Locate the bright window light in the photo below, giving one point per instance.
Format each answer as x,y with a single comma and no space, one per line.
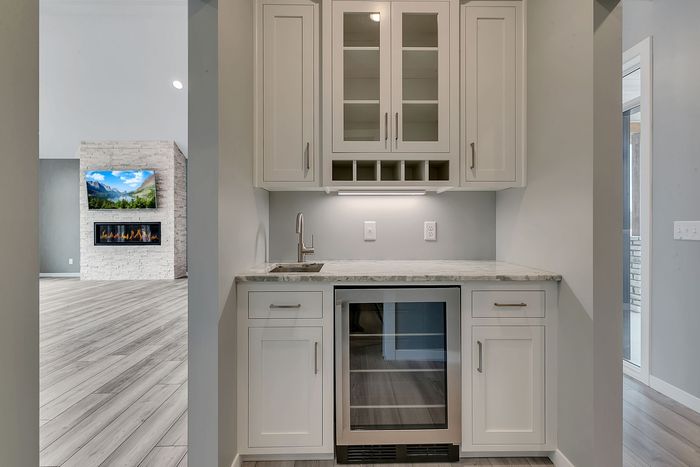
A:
177,84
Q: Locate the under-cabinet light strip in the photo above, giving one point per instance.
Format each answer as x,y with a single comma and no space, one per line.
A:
381,193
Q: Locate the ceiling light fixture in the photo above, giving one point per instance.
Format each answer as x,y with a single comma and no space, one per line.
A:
177,84
376,17
381,193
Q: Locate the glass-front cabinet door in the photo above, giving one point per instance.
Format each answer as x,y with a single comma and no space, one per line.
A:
361,67
420,76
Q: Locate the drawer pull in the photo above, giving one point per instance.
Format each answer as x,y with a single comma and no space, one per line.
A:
505,305
273,306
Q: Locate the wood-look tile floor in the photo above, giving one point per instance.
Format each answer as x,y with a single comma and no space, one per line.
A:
658,431
114,385
113,374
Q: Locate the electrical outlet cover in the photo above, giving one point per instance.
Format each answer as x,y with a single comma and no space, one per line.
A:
430,231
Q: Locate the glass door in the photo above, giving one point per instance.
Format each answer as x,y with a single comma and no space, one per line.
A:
420,72
399,355
360,77
632,241
398,366
637,115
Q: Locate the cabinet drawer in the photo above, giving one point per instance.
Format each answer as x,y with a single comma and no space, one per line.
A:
285,305
508,303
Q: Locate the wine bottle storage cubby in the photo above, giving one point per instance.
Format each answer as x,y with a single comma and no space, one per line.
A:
373,171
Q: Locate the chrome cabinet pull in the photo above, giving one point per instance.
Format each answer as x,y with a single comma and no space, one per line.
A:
480,368
473,163
308,156
315,358
386,127
273,306
396,135
503,305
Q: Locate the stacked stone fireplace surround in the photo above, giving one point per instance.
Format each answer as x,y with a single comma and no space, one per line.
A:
136,262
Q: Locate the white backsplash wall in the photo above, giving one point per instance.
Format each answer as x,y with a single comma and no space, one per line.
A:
466,226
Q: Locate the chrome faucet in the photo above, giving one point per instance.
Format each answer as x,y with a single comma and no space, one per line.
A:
303,250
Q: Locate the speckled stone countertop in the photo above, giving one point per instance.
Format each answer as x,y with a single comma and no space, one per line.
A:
402,271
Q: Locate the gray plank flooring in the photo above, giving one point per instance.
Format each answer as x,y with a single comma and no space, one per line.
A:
113,391
658,431
113,373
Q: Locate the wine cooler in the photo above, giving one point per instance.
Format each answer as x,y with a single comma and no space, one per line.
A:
397,374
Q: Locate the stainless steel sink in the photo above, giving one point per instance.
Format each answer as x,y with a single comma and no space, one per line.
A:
297,267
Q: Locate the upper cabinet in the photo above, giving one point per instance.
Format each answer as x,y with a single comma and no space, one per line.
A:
425,94
493,94
287,101
391,77
393,69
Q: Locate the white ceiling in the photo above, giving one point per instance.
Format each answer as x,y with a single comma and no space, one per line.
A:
106,72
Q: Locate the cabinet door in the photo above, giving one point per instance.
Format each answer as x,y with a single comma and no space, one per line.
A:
285,386
361,67
492,74
508,385
289,92
420,56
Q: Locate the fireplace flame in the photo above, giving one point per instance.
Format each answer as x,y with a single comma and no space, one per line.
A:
137,235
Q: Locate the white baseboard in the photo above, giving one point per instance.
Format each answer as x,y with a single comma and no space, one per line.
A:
236,461
675,393
560,460
59,274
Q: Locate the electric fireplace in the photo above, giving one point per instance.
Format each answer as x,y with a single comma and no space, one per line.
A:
127,233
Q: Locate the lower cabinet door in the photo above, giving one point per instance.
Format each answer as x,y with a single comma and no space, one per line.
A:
508,385
285,401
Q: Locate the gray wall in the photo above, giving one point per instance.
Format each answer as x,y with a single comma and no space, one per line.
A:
551,223
107,69
227,217
675,294
59,215
19,173
466,226
202,239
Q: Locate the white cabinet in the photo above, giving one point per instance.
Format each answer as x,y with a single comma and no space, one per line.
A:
361,77
285,384
420,70
391,75
393,69
287,80
508,385
509,367
493,94
285,369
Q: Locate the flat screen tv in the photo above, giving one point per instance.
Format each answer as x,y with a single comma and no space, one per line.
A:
121,189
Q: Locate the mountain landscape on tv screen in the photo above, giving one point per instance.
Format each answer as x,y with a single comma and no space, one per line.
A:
121,189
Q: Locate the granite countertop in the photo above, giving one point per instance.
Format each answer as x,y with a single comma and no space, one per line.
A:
403,271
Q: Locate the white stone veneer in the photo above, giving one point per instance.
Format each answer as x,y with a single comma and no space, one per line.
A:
120,262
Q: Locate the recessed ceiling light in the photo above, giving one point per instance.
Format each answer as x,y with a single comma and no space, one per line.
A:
376,17
177,84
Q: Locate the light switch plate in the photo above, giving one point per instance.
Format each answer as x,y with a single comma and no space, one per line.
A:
686,230
370,231
70,260
430,231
